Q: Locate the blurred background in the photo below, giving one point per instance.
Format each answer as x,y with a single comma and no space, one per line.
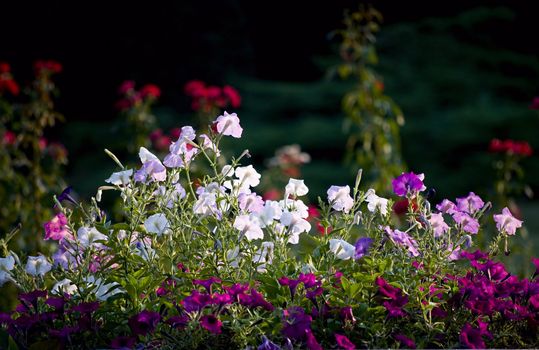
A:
463,73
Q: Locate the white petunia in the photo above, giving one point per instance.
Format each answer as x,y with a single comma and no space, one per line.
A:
342,249
340,199
296,225
263,256
157,223
38,265
87,236
102,290
247,176
120,178
271,211
249,226
296,188
64,286
6,265
376,203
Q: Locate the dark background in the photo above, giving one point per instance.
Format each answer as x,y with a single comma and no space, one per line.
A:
463,72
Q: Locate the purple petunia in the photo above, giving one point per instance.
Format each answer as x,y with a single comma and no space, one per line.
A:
506,222
362,247
470,204
144,322
207,283
211,323
466,222
296,323
408,184
404,341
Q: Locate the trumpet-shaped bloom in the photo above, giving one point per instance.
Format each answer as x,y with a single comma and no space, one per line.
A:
376,203
251,203
438,224
340,199
57,229
152,168
247,176
362,247
470,204
466,222
296,188
447,207
506,222
229,125
6,265
342,249
263,256
403,239
208,144
87,236
120,178
249,227
271,211
102,290
64,286
38,265
408,183
157,223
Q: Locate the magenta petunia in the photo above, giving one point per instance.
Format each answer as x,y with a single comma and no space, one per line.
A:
408,184
343,342
211,323
57,228
207,283
466,222
296,323
404,341
144,322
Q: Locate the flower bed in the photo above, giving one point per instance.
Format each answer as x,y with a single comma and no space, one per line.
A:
202,261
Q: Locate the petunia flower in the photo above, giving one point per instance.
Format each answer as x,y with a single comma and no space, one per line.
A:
362,247
228,125
438,224
342,249
38,265
296,188
158,224
121,178
87,236
249,227
343,342
408,184
376,203
506,222
251,203
6,265
340,199
144,322
466,222
57,228
447,207
64,286
470,204
211,323
152,168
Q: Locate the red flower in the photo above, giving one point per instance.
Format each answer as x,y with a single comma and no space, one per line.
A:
10,85
401,207
126,86
195,88
151,91
232,95
47,66
9,138
162,143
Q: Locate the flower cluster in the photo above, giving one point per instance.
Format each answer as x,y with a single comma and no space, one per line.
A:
204,260
207,98
509,146
132,97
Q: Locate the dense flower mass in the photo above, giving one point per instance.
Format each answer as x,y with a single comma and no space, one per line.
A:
199,259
